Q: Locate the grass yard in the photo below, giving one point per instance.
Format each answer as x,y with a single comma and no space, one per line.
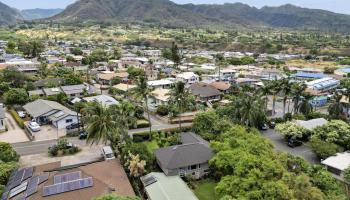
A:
205,190
151,145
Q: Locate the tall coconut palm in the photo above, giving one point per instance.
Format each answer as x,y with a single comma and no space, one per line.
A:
102,124
286,88
297,95
179,97
265,90
275,89
336,109
142,91
305,106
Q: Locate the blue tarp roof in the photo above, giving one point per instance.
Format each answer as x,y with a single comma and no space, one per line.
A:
309,75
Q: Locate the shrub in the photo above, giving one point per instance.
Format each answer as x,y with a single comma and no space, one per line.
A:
7,153
18,120
291,130
163,110
142,124
324,149
5,171
316,115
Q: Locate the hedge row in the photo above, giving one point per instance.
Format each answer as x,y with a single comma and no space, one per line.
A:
18,120
144,136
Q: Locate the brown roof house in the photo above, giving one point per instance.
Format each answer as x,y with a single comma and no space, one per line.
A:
221,86
188,159
82,182
205,92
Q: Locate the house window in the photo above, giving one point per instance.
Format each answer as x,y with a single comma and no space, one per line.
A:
193,167
69,120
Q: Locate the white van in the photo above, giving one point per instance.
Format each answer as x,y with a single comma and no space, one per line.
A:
108,153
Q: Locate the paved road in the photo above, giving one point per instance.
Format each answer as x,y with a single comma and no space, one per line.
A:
30,148
280,145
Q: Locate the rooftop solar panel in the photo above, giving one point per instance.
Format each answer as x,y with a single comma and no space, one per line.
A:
32,186
4,195
67,177
149,181
43,178
67,186
28,173
17,179
19,189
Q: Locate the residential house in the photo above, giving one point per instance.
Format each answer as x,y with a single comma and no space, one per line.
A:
205,92
23,65
72,91
81,181
245,81
160,97
2,118
337,164
106,78
42,83
51,112
158,186
105,100
188,78
52,91
38,93
188,159
163,84
221,86
124,87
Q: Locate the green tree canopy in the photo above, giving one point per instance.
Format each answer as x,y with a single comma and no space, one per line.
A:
16,96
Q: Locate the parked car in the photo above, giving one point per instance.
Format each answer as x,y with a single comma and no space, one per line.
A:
73,126
264,127
35,127
294,143
272,124
83,135
108,153
22,114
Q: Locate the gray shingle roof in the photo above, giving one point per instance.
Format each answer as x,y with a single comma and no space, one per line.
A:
41,107
204,90
73,89
184,155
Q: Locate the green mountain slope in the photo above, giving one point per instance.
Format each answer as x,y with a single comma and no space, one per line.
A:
165,12
8,15
38,13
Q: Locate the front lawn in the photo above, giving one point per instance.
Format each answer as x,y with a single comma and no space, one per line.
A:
205,190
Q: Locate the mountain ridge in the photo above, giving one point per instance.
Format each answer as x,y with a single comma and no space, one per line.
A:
8,15
39,13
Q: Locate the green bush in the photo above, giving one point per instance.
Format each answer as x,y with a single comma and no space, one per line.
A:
7,153
18,120
142,124
324,149
2,189
163,110
144,136
5,171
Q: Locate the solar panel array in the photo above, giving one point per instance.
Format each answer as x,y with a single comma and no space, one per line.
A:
32,186
19,189
67,177
43,178
148,180
17,177
67,186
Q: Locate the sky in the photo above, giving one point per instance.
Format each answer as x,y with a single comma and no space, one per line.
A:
339,6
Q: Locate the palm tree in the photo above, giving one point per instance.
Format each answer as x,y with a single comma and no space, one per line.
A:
101,124
249,110
142,91
275,89
108,124
179,97
265,90
305,106
286,88
336,109
297,94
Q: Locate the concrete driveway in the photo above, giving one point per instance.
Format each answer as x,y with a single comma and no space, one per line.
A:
87,154
14,134
48,132
280,145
